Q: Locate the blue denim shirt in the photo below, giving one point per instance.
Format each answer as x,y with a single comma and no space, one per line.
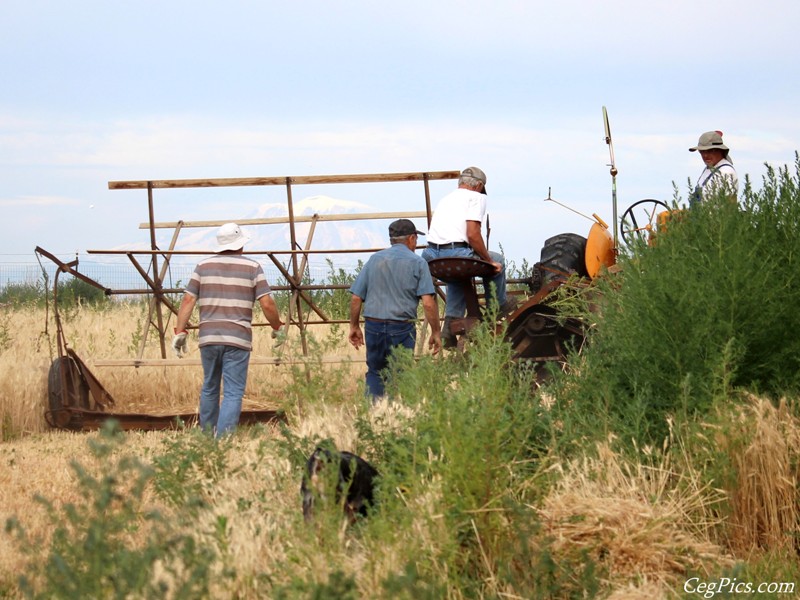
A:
391,283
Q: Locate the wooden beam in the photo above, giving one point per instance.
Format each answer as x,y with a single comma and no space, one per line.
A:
283,220
267,252
298,180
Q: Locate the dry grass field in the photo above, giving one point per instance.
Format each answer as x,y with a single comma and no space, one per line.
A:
28,345
645,524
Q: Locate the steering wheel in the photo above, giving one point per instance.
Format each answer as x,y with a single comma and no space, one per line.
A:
638,221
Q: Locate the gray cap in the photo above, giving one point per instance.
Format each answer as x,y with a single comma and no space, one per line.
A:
710,140
475,173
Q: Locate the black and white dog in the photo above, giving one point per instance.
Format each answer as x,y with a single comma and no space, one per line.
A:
355,482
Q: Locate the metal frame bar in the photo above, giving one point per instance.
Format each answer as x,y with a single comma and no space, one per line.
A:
299,298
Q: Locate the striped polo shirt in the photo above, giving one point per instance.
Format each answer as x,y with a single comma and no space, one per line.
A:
226,287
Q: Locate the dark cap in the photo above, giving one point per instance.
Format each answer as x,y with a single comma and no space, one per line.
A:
402,228
475,173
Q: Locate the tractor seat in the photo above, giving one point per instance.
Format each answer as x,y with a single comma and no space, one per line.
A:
457,269
462,271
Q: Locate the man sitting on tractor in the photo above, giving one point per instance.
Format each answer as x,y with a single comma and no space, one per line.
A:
455,231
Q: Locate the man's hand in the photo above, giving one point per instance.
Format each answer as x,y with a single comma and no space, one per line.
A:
279,335
179,344
356,337
431,309
435,343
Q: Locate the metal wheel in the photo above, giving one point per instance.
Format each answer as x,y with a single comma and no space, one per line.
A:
638,221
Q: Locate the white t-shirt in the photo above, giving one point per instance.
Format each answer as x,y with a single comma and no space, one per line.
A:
449,222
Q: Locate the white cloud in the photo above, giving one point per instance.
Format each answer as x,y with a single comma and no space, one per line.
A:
39,201
315,88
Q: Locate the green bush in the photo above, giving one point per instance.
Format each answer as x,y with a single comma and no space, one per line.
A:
76,291
709,307
335,303
23,294
185,466
91,554
478,436
71,292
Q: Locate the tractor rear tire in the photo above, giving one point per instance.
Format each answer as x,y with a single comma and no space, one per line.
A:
564,255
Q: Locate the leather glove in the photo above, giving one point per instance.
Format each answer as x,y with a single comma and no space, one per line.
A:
279,335
179,344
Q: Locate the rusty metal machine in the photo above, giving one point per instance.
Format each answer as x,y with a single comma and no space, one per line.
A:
77,399
537,333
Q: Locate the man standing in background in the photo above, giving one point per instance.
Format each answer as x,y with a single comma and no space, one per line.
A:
719,174
390,287
225,286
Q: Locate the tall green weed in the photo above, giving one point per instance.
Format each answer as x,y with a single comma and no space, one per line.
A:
23,294
474,440
92,553
709,307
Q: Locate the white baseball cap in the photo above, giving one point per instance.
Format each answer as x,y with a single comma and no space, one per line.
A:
230,237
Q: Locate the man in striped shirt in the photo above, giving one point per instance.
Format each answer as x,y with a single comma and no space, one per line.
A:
225,287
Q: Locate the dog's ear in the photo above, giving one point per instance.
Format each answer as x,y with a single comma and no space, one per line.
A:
308,486
315,461
328,447
308,503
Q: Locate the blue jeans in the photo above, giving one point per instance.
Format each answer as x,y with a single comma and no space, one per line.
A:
223,367
456,305
380,340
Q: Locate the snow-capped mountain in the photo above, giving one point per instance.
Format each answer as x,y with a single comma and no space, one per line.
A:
274,237
327,235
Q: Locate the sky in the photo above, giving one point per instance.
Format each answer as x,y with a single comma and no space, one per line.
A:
102,90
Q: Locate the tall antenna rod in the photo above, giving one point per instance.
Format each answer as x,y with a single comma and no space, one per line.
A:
550,199
613,175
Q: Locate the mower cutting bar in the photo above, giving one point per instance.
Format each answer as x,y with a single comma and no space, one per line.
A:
89,420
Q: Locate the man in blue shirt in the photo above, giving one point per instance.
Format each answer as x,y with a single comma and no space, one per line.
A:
389,288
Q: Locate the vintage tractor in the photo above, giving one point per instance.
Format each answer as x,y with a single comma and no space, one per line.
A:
537,332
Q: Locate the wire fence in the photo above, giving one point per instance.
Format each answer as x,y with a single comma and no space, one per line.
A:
123,275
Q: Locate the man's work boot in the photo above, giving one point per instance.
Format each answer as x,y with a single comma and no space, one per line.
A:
508,307
449,340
